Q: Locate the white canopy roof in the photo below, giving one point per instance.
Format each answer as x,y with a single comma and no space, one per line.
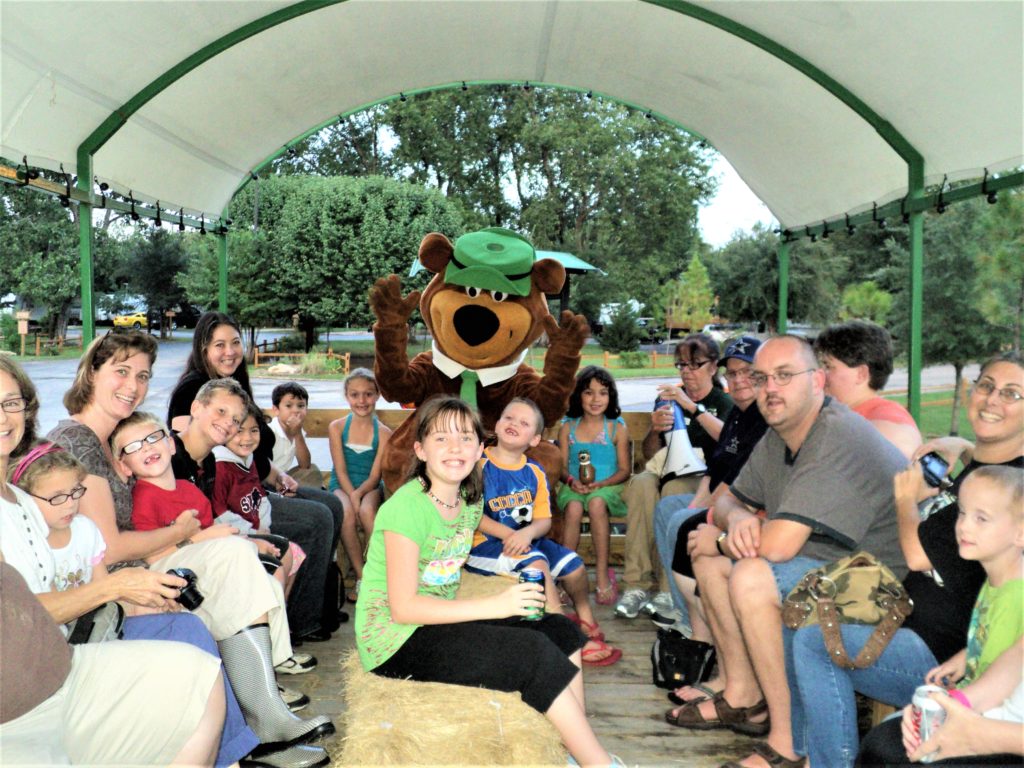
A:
794,94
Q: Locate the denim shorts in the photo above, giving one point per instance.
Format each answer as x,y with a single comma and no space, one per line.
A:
788,573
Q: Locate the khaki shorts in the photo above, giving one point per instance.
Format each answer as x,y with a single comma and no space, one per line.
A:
125,702
236,588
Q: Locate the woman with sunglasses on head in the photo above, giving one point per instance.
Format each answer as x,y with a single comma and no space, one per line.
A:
942,584
240,601
307,516
705,405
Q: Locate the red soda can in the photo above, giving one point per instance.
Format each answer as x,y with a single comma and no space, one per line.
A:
533,576
928,715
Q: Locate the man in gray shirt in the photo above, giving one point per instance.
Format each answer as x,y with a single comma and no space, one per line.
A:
824,476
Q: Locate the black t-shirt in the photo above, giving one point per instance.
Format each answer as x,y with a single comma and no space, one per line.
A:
185,467
181,405
942,613
740,432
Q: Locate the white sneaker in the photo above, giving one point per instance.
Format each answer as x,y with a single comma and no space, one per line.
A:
298,664
629,604
660,603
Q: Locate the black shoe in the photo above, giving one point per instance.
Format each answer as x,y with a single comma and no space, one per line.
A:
342,617
316,636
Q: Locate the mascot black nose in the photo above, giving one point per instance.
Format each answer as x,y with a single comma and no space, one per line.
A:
475,324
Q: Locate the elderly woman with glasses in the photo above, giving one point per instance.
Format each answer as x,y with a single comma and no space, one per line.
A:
705,405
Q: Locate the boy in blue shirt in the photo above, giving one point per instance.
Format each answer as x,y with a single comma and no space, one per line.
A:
516,518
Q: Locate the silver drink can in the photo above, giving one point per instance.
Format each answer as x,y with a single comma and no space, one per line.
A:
928,715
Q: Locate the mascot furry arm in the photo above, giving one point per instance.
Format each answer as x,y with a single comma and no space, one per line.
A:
485,306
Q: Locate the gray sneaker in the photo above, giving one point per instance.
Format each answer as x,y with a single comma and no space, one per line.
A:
660,603
629,604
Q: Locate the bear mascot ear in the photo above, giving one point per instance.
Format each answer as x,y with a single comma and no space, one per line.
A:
548,275
435,252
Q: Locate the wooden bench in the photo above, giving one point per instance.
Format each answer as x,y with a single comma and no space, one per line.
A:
638,423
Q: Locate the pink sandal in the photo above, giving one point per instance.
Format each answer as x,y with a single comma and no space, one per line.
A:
607,596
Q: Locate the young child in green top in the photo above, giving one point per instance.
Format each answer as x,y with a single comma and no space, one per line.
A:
990,529
410,625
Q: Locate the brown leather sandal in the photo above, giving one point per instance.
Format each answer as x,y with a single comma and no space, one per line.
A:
734,718
771,756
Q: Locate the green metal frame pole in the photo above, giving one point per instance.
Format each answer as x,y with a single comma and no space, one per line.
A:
222,270
84,183
916,224
783,321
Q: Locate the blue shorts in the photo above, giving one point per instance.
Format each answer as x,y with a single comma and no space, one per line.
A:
488,559
789,573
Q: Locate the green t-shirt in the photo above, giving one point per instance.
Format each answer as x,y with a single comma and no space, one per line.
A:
996,623
444,546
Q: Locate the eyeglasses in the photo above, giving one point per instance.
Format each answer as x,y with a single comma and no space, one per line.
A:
136,445
76,493
742,373
986,388
14,405
694,366
782,378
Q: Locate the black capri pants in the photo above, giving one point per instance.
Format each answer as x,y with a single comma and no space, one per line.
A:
680,559
531,657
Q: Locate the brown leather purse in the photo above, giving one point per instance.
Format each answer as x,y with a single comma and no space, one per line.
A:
858,589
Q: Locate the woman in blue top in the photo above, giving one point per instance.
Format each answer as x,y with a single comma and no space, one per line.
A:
356,442
593,424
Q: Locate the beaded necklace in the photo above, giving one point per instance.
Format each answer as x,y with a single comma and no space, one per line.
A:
29,534
443,503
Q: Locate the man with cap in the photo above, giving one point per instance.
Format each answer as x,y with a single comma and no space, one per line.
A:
675,516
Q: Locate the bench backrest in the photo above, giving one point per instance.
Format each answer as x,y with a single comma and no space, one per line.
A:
318,419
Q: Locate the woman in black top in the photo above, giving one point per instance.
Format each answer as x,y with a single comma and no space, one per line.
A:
310,518
942,585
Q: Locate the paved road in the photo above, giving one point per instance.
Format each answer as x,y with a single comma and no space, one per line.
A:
53,377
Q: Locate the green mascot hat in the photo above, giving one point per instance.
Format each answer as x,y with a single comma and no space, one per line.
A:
493,259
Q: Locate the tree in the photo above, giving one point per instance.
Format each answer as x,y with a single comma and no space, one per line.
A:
866,301
321,245
745,276
622,334
1000,288
955,331
688,301
157,255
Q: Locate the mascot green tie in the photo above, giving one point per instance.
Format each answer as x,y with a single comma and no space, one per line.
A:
468,390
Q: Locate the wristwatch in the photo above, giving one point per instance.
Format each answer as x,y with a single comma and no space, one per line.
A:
698,409
718,543
184,543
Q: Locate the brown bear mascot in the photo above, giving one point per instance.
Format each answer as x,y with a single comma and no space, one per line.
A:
484,307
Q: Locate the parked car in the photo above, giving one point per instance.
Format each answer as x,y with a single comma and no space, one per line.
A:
134,320
650,332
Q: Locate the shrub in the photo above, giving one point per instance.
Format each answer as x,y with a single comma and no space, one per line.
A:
318,364
622,333
633,359
293,342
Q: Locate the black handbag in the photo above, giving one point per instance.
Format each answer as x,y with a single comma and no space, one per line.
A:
676,660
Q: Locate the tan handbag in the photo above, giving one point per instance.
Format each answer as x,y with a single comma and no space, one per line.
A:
858,589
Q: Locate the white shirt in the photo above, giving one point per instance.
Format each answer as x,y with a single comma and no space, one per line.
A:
284,447
23,533
488,376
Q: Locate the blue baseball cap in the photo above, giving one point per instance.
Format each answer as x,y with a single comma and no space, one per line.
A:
742,348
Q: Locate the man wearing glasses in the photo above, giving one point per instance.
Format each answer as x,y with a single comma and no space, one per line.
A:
705,405
824,476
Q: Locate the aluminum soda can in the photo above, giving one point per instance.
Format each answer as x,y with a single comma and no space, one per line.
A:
533,576
928,715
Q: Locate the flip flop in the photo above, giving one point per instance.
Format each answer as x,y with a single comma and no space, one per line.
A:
592,631
614,655
707,693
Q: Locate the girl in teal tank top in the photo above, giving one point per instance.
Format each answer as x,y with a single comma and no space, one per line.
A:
593,424
356,441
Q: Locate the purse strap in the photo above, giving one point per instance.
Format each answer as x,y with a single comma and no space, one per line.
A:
897,608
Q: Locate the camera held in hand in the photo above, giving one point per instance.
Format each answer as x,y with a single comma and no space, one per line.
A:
190,597
934,469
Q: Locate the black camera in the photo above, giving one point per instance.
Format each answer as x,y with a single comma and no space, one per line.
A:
934,469
190,597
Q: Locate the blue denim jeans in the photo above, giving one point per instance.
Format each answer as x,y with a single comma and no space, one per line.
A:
825,693
669,514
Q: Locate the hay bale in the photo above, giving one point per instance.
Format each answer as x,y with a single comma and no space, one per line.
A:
401,722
